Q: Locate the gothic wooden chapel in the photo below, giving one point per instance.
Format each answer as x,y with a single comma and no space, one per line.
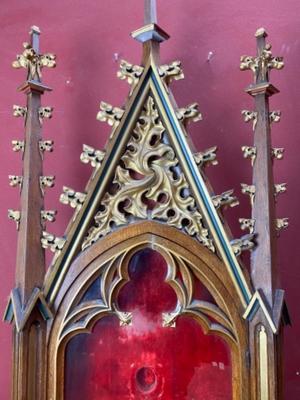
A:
146,296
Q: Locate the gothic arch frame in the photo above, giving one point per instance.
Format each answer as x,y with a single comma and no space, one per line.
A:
168,241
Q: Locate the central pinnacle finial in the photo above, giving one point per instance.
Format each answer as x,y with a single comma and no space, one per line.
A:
150,13
150,31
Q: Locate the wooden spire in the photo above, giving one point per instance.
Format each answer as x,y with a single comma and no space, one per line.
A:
263,192
30,263
151,35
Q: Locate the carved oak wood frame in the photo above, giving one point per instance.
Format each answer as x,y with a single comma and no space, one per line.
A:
172,245
250,309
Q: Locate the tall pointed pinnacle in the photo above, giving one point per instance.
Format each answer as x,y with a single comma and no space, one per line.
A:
30,263
151,35
263,258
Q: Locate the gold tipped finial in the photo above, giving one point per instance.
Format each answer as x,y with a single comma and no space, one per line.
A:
35,29
261,32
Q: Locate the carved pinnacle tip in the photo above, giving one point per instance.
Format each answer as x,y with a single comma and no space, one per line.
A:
261,32
34,29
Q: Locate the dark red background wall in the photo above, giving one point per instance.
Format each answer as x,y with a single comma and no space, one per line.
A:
89,37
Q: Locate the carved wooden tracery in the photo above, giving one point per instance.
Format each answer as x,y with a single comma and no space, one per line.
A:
147,190
149,183
109,260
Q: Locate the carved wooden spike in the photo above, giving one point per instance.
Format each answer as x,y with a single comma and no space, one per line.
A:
275,116
282,223
249,152
278,153
250,116
19,111
15,180
249,190
189,114
34,62
225,199
48,215
280,188
207,157
131,73
15,216
244,243
247,224
46,145
171,72
18,145
46,181
92,156
53,243
72,198
45,112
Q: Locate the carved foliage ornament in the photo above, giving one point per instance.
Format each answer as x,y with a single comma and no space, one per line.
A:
92,156
73,198
171,72
34,62
18,145
261,65
131,73
207,157
53,243
148,184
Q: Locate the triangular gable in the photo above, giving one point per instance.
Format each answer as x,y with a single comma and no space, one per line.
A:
150,82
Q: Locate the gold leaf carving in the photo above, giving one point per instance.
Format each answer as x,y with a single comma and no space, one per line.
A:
45,112
131,73
249,152
15,215
19,111
249,190
170,72
46,145
279,188
275,116
261,65
73,198
111,115
277,152
34,62
48,215
247,223
92,156
282,223
18,145
15,180
250,116
53,243
225,199
189,114
148,184
246,242
46,182
207,157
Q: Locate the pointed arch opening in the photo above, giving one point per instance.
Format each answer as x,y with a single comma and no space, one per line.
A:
199,298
